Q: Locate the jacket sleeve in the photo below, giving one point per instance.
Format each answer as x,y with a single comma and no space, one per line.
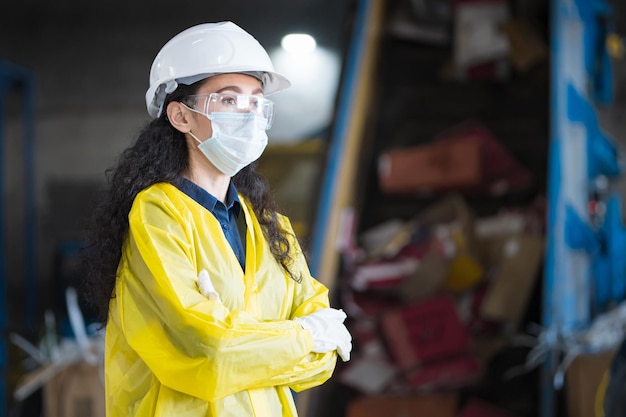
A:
191,344
310,295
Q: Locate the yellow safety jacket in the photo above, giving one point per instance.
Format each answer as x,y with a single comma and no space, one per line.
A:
172,352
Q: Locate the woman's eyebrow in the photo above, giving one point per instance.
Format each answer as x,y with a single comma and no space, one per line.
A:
237,89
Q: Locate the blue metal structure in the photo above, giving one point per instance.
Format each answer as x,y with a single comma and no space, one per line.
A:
336,151
16,78
584,269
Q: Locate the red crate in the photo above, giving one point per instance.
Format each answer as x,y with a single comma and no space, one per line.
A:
425,332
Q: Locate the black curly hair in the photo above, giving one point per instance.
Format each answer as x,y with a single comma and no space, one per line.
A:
159,154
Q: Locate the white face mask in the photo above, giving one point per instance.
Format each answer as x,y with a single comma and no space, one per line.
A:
238,140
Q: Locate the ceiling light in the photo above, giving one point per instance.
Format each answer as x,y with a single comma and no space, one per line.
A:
298,43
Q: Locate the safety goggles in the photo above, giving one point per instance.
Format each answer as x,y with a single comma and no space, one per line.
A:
232,103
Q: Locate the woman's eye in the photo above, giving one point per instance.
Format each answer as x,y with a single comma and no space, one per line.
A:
230,101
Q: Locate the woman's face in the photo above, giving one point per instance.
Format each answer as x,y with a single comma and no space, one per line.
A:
223,84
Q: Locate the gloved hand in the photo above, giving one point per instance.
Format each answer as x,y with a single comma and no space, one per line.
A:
206,286
328,331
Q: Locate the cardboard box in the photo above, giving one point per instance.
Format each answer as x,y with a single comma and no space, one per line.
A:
435,405
453,224
427,280
76,391
433,250
582,381
430,167
454,212
516,272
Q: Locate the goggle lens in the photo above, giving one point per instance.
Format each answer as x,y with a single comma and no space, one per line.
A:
233,103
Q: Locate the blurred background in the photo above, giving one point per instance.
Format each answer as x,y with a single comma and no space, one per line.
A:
453,169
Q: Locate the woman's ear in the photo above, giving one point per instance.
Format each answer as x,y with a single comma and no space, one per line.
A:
178,115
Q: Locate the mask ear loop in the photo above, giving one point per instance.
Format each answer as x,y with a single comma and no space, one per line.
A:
195,137
195,111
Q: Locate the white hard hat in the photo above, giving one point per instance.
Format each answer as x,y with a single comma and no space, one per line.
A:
205,50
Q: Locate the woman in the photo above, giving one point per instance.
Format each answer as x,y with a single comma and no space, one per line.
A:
209,305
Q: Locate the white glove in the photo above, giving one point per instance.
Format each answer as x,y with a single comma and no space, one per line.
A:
206,286
328,331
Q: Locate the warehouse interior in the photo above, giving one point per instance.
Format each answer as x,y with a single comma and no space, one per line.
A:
392,82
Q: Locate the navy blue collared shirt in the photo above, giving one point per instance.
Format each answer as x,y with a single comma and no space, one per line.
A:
226,214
